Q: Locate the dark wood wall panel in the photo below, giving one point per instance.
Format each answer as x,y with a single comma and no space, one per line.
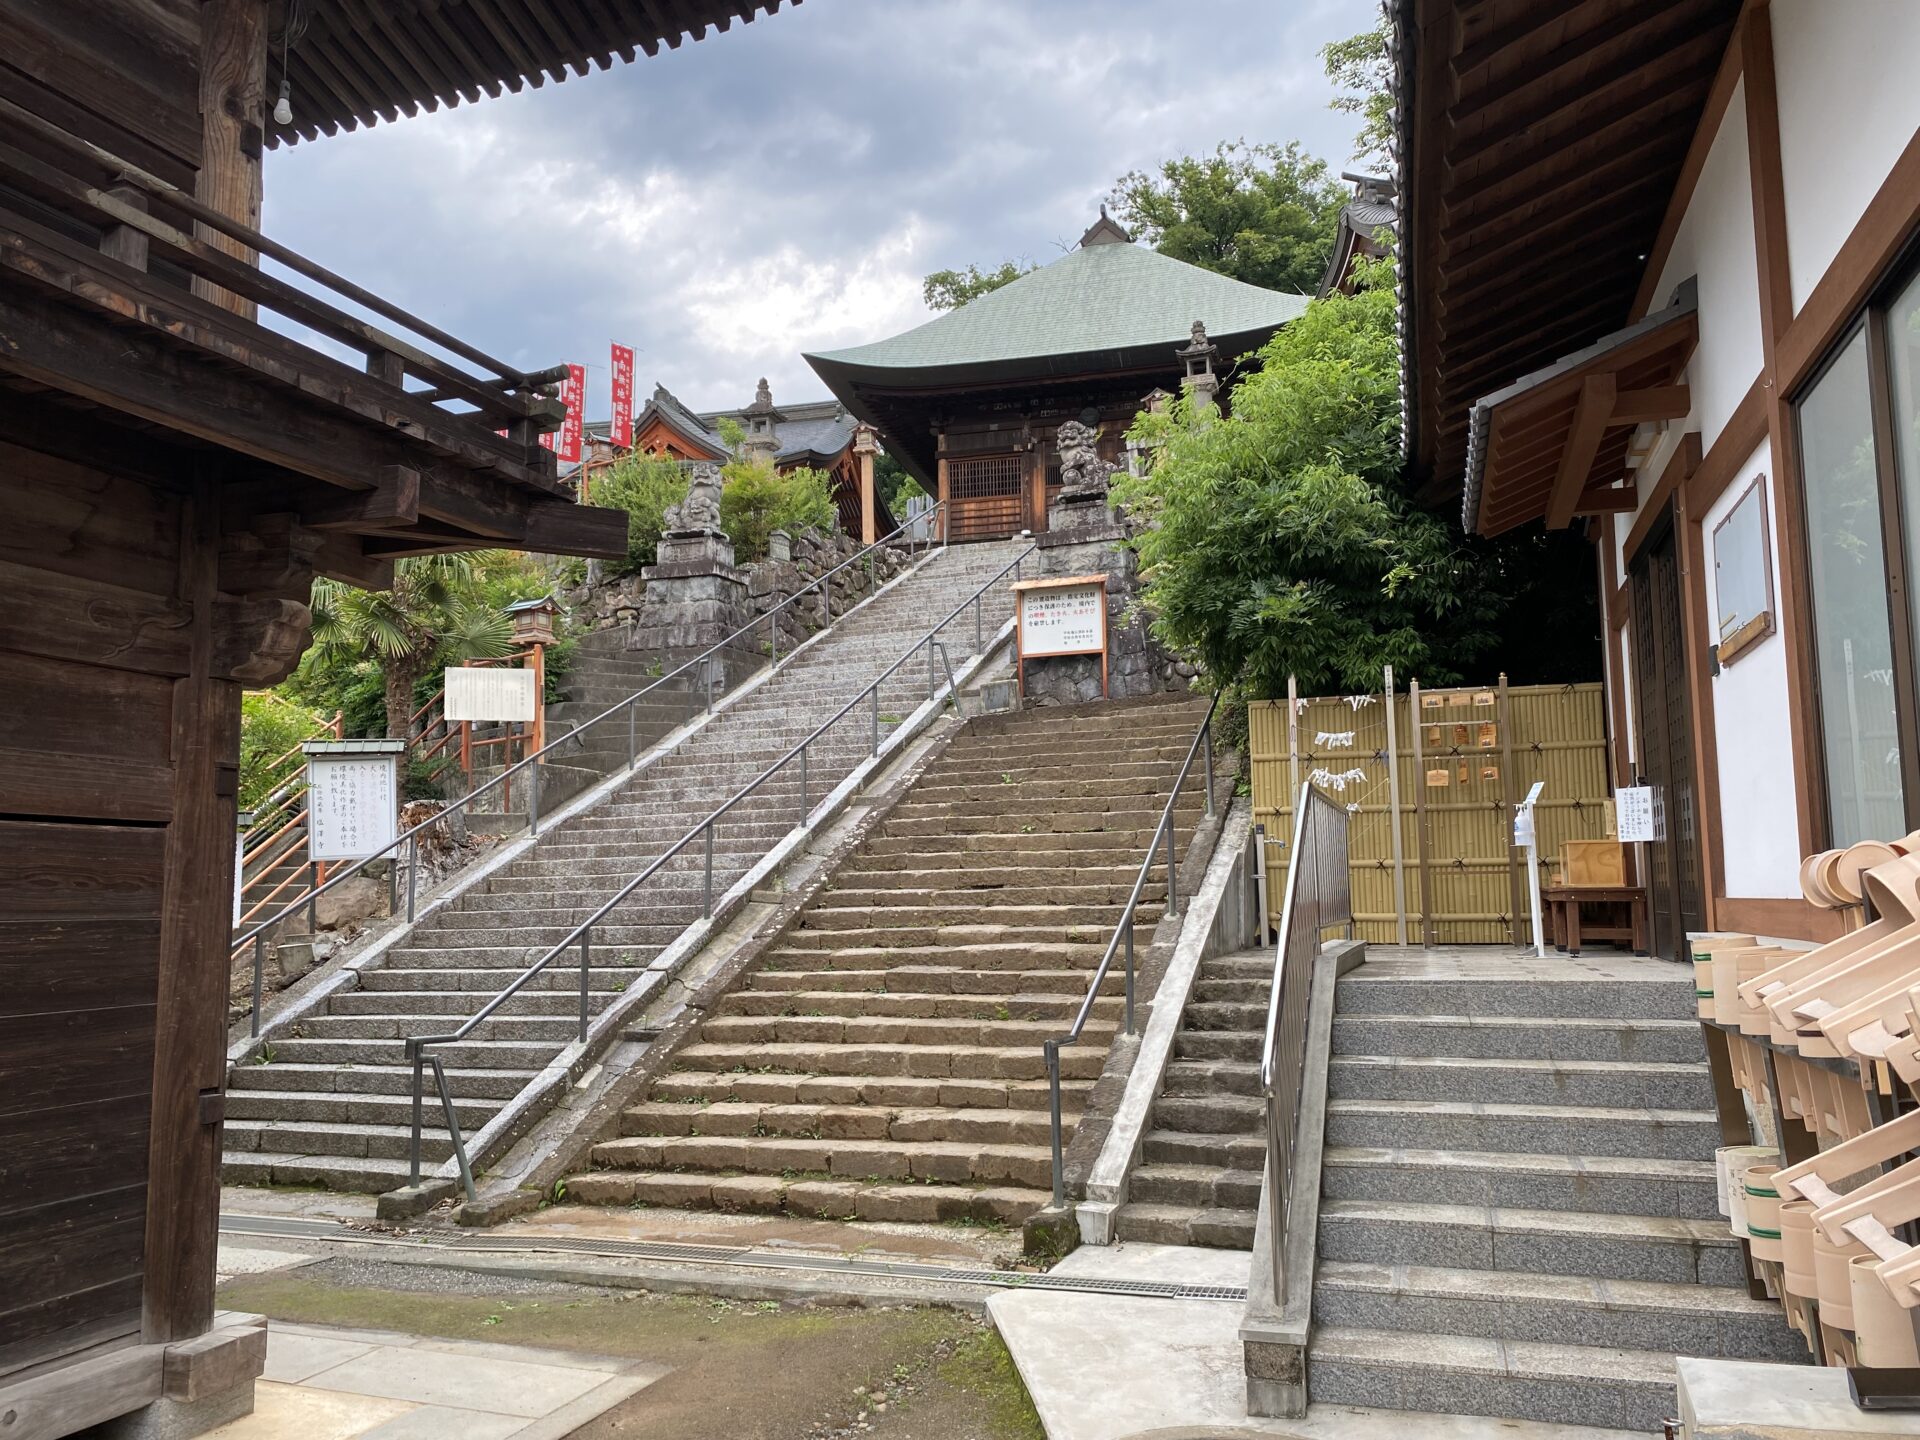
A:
70,1271
79,741
129,69
79,521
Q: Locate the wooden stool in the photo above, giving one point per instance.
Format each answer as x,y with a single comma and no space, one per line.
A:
1617,913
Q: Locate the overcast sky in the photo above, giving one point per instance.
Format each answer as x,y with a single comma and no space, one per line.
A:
784,187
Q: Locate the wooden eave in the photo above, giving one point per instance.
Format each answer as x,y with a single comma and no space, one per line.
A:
1539,146
357,62
1553,445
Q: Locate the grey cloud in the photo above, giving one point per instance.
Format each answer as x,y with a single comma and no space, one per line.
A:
784,186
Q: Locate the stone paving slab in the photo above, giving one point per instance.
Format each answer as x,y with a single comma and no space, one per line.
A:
323,1383
1105,1367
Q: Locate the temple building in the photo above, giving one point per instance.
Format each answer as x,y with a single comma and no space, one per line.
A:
812,434
970,402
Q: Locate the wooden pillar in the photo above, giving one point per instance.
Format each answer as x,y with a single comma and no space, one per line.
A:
1037,489
233,116
941,490
190,1009
866,447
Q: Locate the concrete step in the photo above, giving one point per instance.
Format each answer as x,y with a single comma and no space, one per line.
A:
1660,1042
744,1030
506,961
945,1162
960,1062
435,973
1548,1242
983,909
1184,1147
1529,1129
967,887
309,1078
1000,1126
962,929
1013,955
399,1026
935,980
1517,1379
365,1176
1637,1084
525,1056
1211,1077
352,1141
822,1198
1185,1225
456,1003
1198,1186
867,1004
350,1109
1620,1185
1239,1046
907,1092
1245,1017
1577,1309
1361,994
1210,1114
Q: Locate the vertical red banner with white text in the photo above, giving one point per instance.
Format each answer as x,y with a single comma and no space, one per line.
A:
623,396
574,393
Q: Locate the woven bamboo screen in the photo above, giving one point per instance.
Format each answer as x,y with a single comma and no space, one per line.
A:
1479,751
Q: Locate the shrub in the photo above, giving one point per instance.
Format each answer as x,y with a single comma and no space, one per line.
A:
643,486
270,726
755,502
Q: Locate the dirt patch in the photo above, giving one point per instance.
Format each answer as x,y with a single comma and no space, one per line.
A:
748,1370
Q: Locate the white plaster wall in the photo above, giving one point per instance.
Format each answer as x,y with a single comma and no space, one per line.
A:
1626,693
1759,827
1715,243
1849,104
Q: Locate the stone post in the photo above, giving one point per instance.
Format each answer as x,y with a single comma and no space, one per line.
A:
695,596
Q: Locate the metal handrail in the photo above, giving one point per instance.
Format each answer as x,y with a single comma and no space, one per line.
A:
410,837
1123,932
1318,894
418,1046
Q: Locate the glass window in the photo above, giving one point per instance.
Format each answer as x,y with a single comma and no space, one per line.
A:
1853,643
1903,367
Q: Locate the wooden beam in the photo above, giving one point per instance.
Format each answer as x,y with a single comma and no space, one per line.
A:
1590,419
1607,500
1767,173
394,501
1654,403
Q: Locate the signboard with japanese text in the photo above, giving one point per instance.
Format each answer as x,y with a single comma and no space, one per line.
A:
1063,617
1633,813
490,693
353,800
623,396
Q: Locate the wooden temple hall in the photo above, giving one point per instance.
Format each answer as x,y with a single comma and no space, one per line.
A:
970,401
177,462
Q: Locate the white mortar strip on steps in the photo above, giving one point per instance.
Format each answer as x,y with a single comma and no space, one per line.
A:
307,1002
1107,1181
560,1072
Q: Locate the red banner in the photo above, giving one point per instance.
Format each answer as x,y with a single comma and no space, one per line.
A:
573,395
623,396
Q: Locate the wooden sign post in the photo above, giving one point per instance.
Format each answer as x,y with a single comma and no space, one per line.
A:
1062,616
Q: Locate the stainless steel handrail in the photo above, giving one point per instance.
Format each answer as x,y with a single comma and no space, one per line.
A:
1123,932
1318,895
410,837
581,936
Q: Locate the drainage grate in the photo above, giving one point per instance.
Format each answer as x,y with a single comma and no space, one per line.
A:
293,1228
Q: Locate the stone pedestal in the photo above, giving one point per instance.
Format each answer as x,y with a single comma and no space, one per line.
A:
1087,536
695,596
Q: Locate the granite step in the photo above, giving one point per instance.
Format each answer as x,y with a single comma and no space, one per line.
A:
1648,1085
1434,1036
1621,1185
1530,1129
1361,994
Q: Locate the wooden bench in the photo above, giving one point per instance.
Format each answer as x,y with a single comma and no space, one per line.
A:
1578,913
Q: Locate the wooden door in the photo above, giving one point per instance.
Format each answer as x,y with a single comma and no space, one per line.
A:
986,496
1665,754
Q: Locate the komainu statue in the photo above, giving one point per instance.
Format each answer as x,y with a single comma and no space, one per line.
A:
700,511
1083,474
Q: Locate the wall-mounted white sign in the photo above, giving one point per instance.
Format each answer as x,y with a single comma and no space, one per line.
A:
1633,813
1063,617
353,797
490,693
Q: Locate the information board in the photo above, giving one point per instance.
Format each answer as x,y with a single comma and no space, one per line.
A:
1063,619
490,694
353,804
1633,813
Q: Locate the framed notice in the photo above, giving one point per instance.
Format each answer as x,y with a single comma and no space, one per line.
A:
1062,616
1633,813
353,797
1743,574
490,693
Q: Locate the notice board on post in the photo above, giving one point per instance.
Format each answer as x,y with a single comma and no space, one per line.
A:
353,797
1066,615
490,694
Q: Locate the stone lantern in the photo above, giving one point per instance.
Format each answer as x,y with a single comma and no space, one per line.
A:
1196,360
534,621
763,437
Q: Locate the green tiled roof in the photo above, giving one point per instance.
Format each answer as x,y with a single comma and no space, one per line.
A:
1101,297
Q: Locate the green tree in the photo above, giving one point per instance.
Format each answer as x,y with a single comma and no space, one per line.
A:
950,289
1360,68
434,614
755,501
643,485
1264,214
1282,545
894,484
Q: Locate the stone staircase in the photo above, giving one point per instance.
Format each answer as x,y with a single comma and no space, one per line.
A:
1519,1174
882,1060
1198,1180
327,1101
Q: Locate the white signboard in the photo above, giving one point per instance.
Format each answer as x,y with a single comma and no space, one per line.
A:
1064,620
1633,812
353,805
490,694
